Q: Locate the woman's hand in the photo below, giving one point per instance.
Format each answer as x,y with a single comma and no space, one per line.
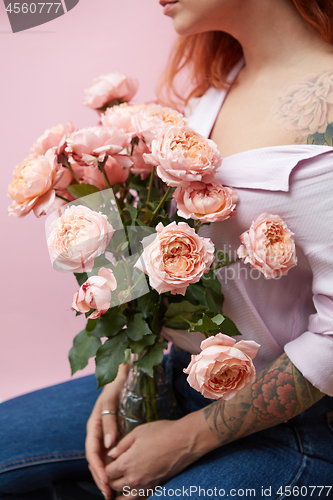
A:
153,453
102,431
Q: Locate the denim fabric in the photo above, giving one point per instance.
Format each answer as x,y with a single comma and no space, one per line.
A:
42,437
295,454
187,398
42,440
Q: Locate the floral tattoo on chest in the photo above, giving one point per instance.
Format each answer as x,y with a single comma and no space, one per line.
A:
307,109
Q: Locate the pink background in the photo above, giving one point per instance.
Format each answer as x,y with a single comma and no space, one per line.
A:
44,72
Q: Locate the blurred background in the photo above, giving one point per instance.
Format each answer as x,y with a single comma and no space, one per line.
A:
44,73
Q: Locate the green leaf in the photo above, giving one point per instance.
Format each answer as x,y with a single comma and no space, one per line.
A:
108,358
214,301
206,324
229,328
177,324
183,309
108,325
158,315
81,278
140,223
124,246
84,347
138,328
139,345
102,261
153,357
81,190
127,358
316,138
218,319
209,280
329,134
119,270
144,303
132,212
91,325
196,294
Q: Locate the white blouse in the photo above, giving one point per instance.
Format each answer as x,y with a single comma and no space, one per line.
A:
294,313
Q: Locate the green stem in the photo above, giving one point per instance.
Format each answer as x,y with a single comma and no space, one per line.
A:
151,180
197,225
225,265
101,165
62,198
65,163
126,186
161,203
151,403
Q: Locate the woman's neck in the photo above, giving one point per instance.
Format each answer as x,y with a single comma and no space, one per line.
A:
274,35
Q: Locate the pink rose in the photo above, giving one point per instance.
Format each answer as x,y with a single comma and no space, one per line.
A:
95,293
207,202
182,156
91,145
108,88
151,118
268,246
53,137
223,367
121,117
115,172
59,202
140,167
307,106
77,238
63,179
176,258
31,188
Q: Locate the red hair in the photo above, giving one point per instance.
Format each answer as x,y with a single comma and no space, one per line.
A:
210,56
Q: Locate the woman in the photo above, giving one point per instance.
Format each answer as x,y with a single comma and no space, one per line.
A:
272,438
277,104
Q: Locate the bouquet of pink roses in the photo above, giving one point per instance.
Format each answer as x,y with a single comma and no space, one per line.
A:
112,190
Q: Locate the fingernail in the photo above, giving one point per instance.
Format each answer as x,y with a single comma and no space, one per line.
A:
112,452
105,496
107,440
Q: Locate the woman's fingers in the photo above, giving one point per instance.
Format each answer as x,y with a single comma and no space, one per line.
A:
102,484
123,445
97,469
95,452
110,429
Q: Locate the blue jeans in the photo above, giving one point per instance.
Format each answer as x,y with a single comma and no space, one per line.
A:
42,440
42,437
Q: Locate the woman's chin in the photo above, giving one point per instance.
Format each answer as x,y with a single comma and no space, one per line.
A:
185,27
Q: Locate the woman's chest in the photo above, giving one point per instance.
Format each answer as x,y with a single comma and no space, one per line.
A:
250,119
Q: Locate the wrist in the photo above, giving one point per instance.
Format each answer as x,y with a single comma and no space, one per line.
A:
200,437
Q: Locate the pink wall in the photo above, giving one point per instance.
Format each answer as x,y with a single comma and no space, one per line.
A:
44,72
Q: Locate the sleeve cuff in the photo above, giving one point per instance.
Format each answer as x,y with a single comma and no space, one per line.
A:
312,354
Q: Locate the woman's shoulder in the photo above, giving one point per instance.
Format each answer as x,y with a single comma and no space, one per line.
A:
293,106
304,107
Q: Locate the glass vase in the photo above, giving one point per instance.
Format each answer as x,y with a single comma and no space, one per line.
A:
145,399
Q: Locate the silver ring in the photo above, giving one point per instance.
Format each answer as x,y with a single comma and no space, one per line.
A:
107,412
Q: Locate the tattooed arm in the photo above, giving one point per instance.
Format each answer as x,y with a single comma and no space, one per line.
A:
153,453
279,393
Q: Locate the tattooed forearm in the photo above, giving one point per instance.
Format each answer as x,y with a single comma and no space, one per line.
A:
279,394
